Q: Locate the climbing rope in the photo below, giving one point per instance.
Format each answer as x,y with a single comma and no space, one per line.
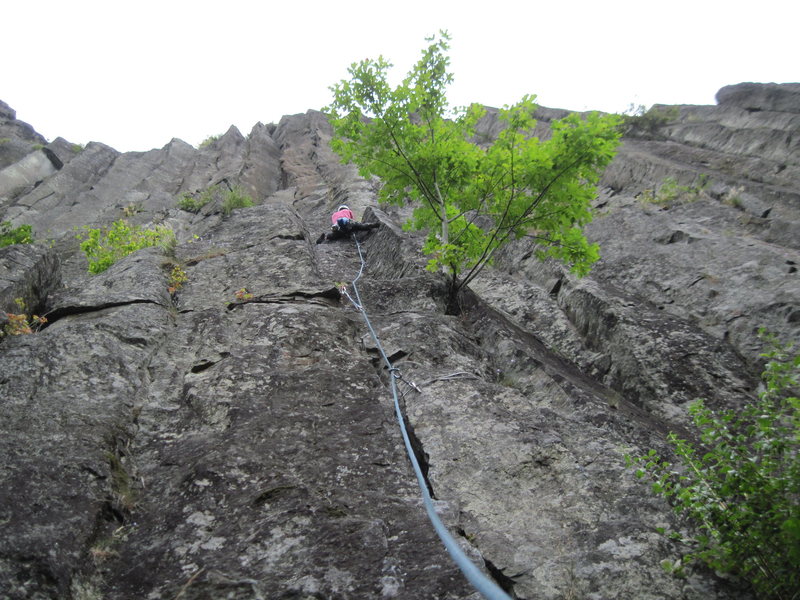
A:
489,589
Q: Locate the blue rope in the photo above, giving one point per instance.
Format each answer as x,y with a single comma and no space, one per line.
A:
489,589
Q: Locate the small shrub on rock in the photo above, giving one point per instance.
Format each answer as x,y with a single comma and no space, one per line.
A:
14,235
21,323
670,193
192,204
177,277
235,198
741,484
229,200
243,294
209,141
104,247
132,209
641,122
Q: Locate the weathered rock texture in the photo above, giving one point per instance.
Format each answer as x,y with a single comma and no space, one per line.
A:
204,445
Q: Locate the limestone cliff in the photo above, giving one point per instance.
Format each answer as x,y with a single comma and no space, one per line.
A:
203,445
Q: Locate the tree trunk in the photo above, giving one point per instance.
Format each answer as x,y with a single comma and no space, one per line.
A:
445,222
453,306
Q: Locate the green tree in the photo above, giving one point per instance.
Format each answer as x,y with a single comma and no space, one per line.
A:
471,199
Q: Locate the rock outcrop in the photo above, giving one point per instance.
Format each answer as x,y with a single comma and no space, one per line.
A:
204,443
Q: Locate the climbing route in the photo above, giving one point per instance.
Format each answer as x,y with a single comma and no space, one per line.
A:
489,589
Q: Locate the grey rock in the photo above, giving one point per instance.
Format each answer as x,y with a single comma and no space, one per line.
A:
17,138
60,151
52,208
6,112
25,173
235,437
759,96
29,272
70,395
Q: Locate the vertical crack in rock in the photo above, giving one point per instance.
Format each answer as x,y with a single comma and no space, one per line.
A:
505,582
419,452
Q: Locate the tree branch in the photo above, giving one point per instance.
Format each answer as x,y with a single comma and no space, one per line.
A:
491,247
417,176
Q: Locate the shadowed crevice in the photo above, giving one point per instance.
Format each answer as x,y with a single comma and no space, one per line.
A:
328,297
68,311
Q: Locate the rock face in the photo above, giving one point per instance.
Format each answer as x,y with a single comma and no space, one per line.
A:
235,438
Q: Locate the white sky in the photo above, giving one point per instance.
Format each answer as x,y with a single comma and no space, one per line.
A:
134,75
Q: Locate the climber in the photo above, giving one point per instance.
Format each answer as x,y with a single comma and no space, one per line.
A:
343,224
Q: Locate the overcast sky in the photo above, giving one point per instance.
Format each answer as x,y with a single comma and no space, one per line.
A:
136,74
